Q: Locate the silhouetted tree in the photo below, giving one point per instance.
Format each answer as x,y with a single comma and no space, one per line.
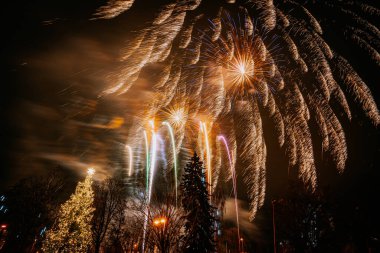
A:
304,222
126,227
199,218
164,228
32,204
120,231
110,197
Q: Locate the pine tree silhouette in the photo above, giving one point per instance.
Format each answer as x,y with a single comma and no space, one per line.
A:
198,210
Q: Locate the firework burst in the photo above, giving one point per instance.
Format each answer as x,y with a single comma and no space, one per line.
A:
246,63
232,63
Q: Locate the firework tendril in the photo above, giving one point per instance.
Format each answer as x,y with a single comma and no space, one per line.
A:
232,64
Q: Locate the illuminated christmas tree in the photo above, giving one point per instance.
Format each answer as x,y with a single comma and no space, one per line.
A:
72,230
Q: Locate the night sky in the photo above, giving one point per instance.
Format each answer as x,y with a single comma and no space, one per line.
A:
55,60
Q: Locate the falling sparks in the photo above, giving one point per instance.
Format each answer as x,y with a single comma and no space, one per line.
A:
249,60
152,164
233,177
208,155
147,163
113,8
174,159
130,157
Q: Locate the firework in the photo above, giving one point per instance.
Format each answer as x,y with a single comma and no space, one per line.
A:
208,155
245,60
147,164
174,159
177,116
233,176
152,164
153,158
130,156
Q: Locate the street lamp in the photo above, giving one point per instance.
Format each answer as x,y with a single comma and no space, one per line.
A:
160,221
242,244
135,247
160,234
163,220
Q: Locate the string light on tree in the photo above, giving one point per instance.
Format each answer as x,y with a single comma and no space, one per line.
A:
72,230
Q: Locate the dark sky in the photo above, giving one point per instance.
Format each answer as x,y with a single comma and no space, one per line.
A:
53,56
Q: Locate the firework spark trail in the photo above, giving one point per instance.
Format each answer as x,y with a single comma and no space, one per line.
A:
168,31
147,163
113,9
217,161
176,114
213,95
233,176
152,162
273,57
174,159
208,155
246,131
130,163
359,89
150,170
260,154
277,119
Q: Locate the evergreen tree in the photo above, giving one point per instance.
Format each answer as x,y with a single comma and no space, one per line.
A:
72,230
198,211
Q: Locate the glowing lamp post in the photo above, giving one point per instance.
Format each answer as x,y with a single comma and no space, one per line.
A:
242,243
161,221
162,243
135,247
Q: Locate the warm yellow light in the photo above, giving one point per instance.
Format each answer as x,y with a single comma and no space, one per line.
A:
156,222
239,74
91,171
151,122
116,123
176,115
160,221
241,68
